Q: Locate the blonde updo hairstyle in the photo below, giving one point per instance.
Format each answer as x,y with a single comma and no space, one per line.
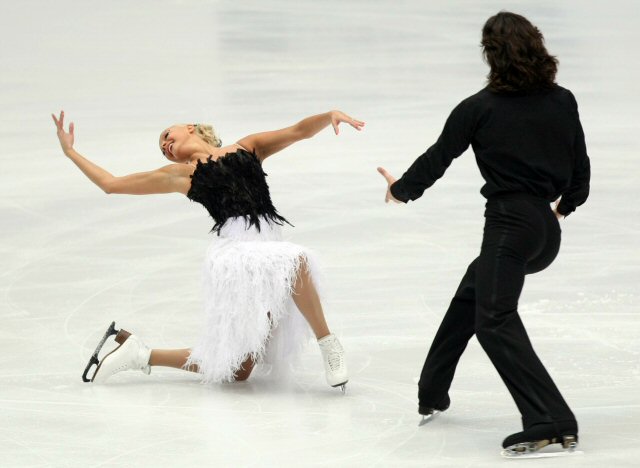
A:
208,134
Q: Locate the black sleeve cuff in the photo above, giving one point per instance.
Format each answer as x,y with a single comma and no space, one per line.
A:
398,192
565,209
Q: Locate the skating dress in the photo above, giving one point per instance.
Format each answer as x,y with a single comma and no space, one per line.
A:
249,272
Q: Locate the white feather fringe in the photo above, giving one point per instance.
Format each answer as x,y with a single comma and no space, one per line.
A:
247,275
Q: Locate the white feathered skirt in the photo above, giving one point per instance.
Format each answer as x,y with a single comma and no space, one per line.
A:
249,311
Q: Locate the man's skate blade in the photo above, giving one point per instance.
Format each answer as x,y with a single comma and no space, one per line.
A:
543,448
426,418
563,453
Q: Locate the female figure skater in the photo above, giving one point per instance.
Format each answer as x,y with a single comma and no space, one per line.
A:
255,283
530,148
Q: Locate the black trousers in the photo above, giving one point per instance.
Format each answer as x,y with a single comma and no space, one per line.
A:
521,236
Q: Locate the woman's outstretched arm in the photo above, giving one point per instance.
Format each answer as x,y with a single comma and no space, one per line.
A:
168,179
267,143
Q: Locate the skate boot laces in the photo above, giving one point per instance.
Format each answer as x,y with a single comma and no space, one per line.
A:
334,361
333,351
138,359
131,354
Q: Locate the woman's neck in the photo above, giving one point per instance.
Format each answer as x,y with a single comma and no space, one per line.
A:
203,151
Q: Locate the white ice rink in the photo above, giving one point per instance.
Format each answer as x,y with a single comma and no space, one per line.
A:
74,259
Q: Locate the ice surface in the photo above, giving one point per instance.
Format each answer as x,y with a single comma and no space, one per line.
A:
73,259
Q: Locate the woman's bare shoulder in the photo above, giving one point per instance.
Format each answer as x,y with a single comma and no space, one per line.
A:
180,175
182,170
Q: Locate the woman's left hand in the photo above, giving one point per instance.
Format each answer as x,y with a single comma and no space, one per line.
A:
66,138
338,117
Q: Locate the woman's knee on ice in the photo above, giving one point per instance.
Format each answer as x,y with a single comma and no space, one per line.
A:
245,370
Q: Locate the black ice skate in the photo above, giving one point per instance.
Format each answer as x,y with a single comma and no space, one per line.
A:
428,412
528,443
121,337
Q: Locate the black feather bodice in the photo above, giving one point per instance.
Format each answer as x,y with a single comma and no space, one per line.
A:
231,186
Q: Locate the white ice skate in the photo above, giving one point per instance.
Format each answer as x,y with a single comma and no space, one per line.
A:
335,365
131,353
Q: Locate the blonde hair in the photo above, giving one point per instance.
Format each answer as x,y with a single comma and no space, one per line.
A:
208,134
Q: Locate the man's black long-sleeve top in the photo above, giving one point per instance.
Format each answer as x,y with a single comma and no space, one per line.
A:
524,143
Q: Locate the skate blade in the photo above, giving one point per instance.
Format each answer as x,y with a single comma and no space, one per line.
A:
565,453
121,337
426,418
343,387
538,449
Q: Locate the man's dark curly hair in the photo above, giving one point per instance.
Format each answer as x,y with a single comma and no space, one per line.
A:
514,49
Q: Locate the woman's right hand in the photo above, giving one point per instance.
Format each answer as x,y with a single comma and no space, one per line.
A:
337,117
66,138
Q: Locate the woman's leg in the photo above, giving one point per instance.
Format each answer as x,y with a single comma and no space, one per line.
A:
177,358
306,298
245,370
